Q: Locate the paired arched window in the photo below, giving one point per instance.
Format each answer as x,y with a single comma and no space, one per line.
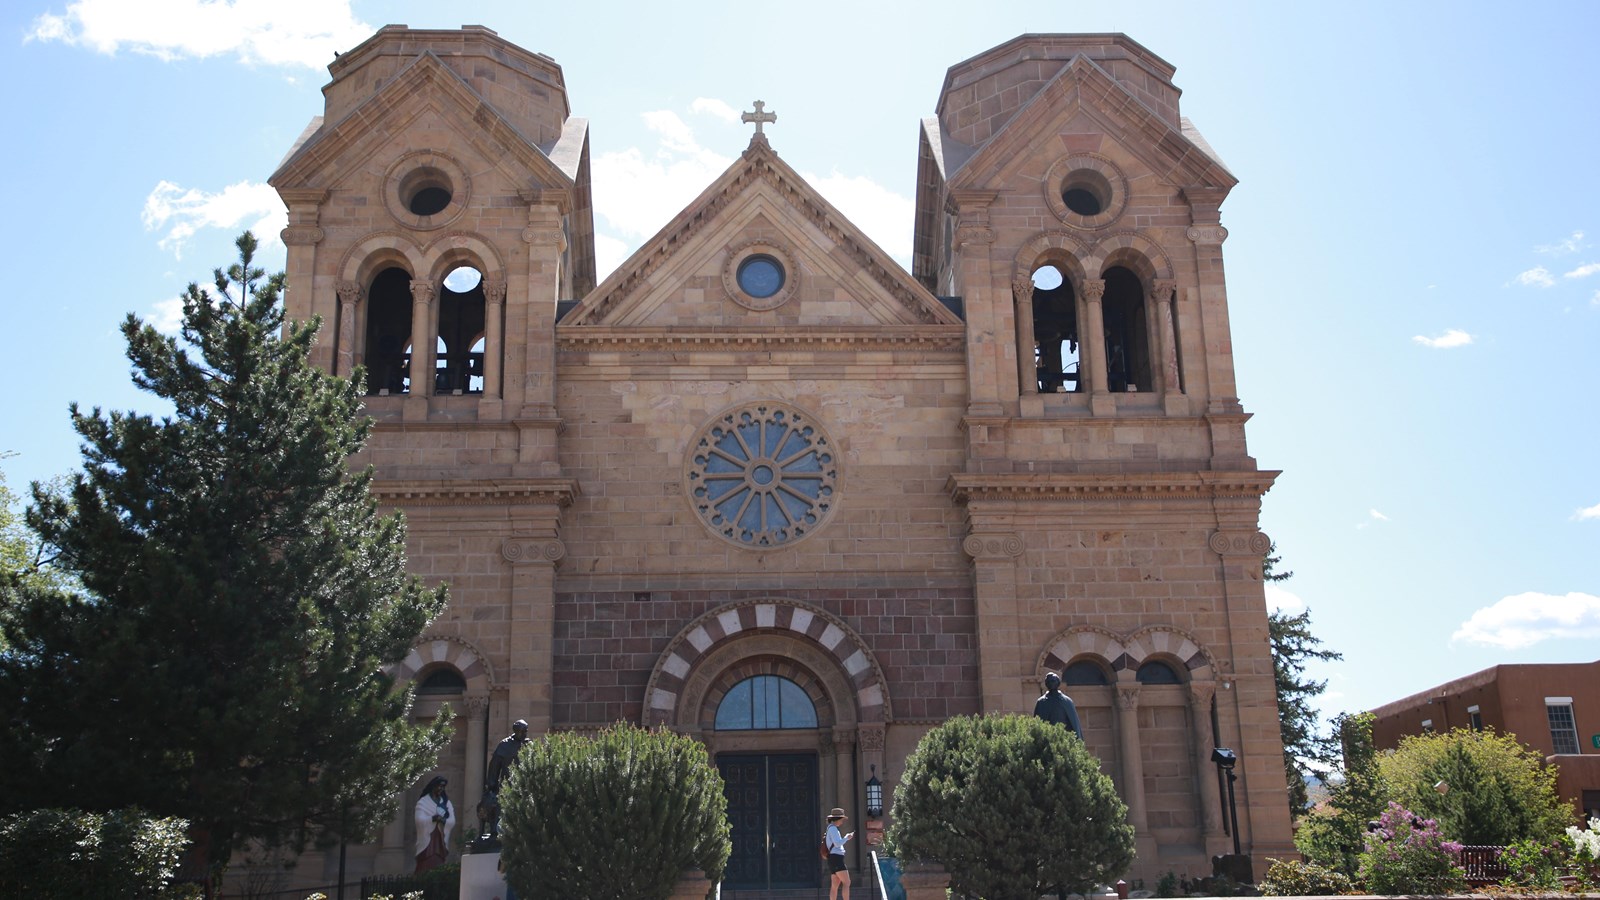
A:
1124,353
458,339
764,702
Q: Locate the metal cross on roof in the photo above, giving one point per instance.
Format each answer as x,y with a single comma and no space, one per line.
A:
759,117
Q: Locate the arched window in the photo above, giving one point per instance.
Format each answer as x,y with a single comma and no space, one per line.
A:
1157,672
459,370
1055,331
443,680
765,701
1127,333
1084,672
388,340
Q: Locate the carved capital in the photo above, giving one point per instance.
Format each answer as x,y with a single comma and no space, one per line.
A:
423,291
494,290
1093,290
1207,234
518,551
993,547
1128,698
974,234
1240,543
1200,694
1161,289
544,237
477,704
1023,289
350,293
302,235
871,738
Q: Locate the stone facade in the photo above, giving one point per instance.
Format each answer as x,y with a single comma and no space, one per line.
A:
762,456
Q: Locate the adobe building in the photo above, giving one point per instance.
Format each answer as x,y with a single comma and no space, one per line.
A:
764,486
1553,708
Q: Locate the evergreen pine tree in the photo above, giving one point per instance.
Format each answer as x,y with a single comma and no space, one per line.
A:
240,595
1293,645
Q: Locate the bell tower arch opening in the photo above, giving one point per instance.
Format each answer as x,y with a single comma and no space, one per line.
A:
1127,333
1055,332
459,367
387,347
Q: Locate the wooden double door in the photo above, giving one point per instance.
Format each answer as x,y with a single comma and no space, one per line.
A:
774,810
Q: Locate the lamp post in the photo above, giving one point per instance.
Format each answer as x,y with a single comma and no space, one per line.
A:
874,794
1225,760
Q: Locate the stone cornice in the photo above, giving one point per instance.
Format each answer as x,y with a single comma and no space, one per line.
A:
966,487
497,492
936,337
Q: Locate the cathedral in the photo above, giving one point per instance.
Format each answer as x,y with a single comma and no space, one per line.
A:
764,486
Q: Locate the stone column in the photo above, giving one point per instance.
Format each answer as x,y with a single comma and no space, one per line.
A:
692,885
1130,751
494,306
532,645
477,741
988,370
1092,347
1200,696
350,297
994,569
1168,380
422,350
1027,369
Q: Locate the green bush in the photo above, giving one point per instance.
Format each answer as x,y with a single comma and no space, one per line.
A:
1500,791
66,853
1292,878
1012,806
1533,864
1408,855
619,816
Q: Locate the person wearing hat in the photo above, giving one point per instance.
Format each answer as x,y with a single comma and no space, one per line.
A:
839,886
434,821
1056,707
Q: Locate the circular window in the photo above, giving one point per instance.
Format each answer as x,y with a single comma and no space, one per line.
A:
760,276
1086,191
762,476
426,189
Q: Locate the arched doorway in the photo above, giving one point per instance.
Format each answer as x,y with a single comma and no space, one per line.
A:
773,797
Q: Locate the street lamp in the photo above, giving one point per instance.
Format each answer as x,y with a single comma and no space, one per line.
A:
1225,760
874,794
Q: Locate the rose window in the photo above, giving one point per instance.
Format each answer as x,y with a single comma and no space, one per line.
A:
762,476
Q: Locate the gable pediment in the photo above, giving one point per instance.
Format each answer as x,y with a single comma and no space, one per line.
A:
1082,89
687,274
424,88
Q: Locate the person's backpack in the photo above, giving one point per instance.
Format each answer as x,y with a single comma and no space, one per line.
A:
822,848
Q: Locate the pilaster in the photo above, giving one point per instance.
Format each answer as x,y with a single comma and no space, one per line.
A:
1131,754
994,574
532,646
1207,235
989,350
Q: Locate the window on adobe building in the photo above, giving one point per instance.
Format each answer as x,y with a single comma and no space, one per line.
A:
1127,333
765,701
1563,728
1427,726
1475,718
1055,332
388,339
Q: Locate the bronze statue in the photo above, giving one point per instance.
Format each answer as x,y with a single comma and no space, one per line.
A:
505,753
1057,707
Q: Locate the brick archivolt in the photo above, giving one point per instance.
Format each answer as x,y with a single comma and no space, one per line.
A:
1120,652
451,650
691,674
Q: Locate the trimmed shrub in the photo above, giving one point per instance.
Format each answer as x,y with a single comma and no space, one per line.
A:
1012,806
67,853
1408,855
1292,878
619,816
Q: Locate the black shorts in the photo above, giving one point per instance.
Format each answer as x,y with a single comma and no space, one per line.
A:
835,862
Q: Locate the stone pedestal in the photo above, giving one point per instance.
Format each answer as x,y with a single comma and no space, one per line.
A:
924,880
481,878
692,885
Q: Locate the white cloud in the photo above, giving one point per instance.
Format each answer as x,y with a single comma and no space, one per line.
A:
1372,516
1455,337
1538,276
1584,271
715,107
1523,620
166,315
885,216
182,212
271,32
640,189
1280,600
1570,245
1588,512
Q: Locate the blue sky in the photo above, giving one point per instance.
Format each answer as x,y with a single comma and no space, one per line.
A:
1413,266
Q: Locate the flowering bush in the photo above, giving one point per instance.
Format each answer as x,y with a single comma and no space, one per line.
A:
1408,855
1586,854
1532,864
1291,878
